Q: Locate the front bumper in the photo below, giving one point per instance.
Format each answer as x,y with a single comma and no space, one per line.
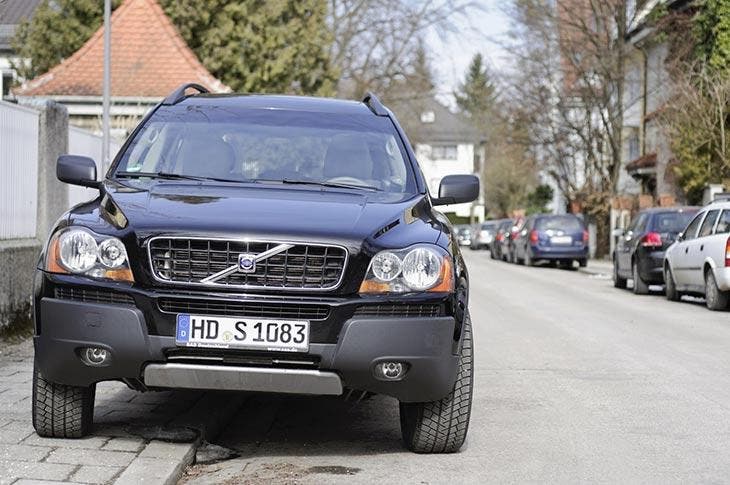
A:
343,355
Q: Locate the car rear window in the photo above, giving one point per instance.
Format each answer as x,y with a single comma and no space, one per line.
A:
672,222
565,223
259,145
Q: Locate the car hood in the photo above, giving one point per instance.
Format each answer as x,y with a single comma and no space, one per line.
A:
283,212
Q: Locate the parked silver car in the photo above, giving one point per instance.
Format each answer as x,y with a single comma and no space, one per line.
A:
699,262
483,235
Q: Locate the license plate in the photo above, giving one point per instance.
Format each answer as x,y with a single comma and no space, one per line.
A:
561,240
242,333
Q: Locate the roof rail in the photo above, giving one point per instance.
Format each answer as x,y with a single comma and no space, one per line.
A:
372,102
179,94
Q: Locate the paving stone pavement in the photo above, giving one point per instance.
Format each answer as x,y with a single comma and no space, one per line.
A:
124,447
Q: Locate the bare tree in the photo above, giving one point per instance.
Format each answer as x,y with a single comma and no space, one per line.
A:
695,121
568,83
375,41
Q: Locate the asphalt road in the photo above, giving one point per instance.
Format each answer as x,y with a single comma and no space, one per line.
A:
575,382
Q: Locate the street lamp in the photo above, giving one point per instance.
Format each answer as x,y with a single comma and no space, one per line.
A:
106,88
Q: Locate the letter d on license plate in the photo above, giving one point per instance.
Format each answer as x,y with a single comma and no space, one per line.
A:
242,332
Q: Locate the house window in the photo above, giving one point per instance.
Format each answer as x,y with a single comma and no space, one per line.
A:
7,81
443,152
634,147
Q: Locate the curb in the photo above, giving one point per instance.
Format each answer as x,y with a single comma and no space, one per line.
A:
595,270
165,461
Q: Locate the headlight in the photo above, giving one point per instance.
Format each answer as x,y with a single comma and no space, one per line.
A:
80,251
418,268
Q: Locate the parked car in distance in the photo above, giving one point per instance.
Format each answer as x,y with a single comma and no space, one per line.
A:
698,263
562,239
258,243
516,233
464,234
483,235
501,240
639,253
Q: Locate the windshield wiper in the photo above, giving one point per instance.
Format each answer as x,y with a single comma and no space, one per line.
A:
322,184
174,176
158,175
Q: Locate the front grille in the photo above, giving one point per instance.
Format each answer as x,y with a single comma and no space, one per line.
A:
399,310
300,267
93,295
244,309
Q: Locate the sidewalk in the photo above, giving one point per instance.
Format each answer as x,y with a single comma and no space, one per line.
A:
598,267
137,437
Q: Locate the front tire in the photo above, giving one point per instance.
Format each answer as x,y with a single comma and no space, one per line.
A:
61,411
441,426
717,300
640,288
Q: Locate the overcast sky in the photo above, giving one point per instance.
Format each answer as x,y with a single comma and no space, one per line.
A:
481,32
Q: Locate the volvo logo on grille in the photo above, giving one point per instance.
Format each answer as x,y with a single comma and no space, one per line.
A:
247,263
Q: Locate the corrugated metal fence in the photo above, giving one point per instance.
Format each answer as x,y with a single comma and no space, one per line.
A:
18,171
19,137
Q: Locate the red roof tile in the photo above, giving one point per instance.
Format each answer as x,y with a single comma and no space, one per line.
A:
149,59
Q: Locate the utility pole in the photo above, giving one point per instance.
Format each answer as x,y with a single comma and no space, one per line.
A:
106,89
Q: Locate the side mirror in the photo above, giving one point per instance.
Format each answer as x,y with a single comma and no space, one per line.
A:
457,189
680,237
77,170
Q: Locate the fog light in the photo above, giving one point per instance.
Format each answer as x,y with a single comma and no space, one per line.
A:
95,356
390,370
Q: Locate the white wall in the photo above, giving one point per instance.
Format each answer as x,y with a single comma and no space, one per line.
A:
434,170
86,143
18,171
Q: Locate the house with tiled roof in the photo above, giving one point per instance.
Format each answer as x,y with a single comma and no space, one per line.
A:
446,143
149,59
12,13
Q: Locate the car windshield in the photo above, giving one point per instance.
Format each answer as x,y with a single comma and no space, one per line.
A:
672,222
360,151
564,223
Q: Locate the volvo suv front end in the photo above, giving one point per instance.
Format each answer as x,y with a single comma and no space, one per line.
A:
258,243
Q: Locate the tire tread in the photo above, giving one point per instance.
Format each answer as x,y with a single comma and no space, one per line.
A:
441,426
61,411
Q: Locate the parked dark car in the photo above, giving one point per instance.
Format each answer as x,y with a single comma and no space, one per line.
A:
639,253
483,235
258,243
561,239
500,248
464,234
516,233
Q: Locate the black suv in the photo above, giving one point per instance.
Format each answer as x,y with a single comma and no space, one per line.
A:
258,243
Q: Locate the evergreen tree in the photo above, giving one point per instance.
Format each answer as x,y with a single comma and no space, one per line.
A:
476,95
270,46
712,30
